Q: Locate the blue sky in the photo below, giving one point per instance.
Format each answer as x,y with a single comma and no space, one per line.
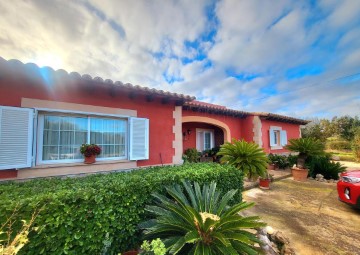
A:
285,57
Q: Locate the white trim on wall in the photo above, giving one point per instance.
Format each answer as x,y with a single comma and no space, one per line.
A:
281,139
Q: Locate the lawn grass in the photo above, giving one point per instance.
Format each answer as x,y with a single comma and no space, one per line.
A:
345,155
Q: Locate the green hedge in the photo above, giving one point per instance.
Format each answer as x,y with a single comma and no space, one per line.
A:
78,213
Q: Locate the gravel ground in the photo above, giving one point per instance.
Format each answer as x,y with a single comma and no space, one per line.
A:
310,215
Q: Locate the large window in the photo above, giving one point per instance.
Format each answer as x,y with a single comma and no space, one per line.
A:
61,137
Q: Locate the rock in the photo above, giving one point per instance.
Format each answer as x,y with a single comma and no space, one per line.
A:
319,176
335,158
269,230
287,250
279,238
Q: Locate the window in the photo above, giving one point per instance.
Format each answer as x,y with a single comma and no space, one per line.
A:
277,137
60,137
204,139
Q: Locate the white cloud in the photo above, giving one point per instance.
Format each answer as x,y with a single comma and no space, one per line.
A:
142,41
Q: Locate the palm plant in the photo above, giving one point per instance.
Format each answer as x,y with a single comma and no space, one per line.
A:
306,147
247,157
199,221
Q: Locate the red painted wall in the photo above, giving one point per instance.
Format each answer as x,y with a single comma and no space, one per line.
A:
292,131
247,129
13,89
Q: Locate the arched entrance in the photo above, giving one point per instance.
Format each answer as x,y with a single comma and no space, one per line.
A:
204,133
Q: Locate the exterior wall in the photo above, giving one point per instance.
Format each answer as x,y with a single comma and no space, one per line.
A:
247,129
292,131
91,96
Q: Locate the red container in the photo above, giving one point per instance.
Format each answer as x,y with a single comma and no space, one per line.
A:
90,160
264,183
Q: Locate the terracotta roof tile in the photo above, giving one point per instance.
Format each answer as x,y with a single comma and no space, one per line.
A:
16,65
282,118
213,108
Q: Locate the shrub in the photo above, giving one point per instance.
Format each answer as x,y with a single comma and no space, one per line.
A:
292,159
155,247
79,212
322,165
338,145
249,158
280,160
10,243
199,221
191,155
355,146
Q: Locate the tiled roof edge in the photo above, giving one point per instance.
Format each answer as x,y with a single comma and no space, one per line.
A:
214,109
282,118
75,75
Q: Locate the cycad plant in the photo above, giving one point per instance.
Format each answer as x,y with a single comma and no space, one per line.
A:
306,147
192,220
247,157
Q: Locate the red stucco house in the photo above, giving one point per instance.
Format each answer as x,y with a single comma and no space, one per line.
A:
45,116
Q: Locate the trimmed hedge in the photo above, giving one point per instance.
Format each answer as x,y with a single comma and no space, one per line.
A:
77,213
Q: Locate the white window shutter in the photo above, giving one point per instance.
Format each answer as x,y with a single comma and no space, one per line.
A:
272,137
283,137
139,138
16,135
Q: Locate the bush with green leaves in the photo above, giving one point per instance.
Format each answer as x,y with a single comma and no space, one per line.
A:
155,247
323,165
191,155
306,147
355,145
248,157
99,212
195,220
338,145
292,159
279,160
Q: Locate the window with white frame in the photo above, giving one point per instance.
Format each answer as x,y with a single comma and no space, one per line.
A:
60,137
204,139
277,137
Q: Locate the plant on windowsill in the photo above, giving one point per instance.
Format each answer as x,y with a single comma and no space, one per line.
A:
90,151
305,147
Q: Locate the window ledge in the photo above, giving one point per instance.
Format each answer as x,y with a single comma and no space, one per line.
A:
276,148
101,162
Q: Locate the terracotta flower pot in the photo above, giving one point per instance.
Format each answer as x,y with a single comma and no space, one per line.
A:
299,174
271,166
90,160
264,183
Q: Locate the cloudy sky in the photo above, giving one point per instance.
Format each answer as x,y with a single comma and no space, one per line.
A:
298,58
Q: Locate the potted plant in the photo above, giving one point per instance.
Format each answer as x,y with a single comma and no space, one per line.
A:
264,181
90,151
305,147
272,162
